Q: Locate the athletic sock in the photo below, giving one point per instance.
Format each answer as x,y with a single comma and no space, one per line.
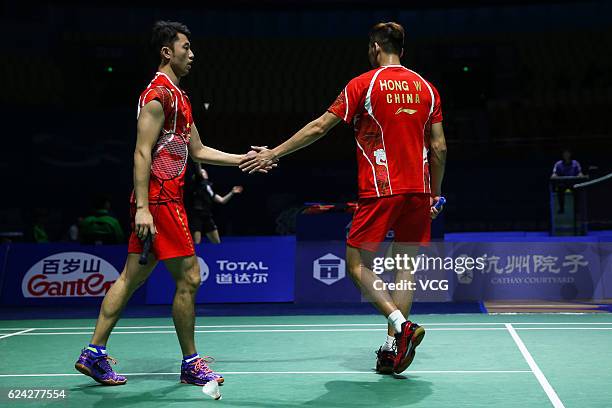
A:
388,345
97,350
396,319
190,358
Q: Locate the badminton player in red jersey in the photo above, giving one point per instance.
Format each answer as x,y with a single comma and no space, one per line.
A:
157,209
397,118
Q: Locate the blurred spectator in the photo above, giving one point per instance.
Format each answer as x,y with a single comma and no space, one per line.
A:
200,212
565,167
38,230
101,227
72,235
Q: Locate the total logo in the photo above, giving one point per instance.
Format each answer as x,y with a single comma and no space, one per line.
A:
225,265
69,274
329,269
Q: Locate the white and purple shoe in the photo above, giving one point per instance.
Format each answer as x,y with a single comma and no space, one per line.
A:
197,372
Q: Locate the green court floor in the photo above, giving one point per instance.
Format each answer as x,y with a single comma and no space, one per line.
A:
324,361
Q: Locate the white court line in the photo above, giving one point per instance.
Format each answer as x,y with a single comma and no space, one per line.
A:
315,325
548,389
563,328
311,330
547,306
16,334
559,323
263,331
55,333
290,372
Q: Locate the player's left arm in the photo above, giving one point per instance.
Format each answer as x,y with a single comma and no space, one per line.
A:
208,155
309,134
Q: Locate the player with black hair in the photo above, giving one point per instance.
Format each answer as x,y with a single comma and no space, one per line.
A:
158,210
397,117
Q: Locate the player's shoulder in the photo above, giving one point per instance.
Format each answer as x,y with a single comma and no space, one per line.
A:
159,83
155,91
158,89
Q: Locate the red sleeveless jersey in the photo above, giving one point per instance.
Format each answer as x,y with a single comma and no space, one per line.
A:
177,118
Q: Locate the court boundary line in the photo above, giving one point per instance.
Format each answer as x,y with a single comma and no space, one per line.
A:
41,333
315,325
19,333
285,372
263,331
548,389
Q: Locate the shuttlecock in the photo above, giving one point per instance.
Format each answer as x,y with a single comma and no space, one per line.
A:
211,389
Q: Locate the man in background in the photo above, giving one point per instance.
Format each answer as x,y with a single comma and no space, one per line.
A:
101,227
565,167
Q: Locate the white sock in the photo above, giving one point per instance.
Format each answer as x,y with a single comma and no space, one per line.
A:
388,345
396,319
189,360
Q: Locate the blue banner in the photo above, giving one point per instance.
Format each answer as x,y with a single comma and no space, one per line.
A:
61,274
258,269
321,274
558,271
273,269
4,248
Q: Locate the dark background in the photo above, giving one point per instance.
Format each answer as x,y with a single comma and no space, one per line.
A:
519,81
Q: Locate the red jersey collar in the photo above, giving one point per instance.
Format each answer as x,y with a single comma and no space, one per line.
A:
170,81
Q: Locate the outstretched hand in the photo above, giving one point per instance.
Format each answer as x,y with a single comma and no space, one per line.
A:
259,159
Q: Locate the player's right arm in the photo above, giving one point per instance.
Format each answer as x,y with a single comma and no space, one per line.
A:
150,123
437,161
225,199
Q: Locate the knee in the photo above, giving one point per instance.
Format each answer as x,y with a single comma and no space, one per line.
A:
190,282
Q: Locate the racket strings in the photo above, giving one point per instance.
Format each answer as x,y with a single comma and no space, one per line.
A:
169,156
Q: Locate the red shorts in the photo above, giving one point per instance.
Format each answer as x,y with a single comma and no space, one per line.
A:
173,238
407,214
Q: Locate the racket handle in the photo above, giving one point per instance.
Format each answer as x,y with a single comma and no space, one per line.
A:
146,248
440,203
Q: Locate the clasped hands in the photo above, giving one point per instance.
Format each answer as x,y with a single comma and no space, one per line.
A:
258,159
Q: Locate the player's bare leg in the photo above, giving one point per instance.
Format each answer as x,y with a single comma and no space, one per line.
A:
213,236
403,298
94,361
186,274
406,334
131,278
197,237
366,281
